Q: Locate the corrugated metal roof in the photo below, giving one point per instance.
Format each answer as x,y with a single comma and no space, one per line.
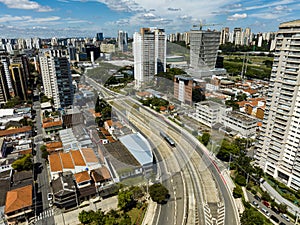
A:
139,147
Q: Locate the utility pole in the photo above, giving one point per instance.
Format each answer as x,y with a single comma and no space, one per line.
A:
229,161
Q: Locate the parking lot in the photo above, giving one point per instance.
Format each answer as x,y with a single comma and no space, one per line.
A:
275,217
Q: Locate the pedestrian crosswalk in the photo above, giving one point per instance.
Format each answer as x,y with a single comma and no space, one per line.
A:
45,214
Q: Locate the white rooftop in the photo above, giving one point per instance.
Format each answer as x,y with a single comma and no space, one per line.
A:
6,112
139,147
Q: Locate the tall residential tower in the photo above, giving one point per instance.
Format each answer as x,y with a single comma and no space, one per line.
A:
278,152
149,51
57,81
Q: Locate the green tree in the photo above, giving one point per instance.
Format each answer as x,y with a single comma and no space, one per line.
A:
265,196
240,180
137,192
205,138
252,217
125,200
282,208
158,193
125,220
23,163
237,192
86,217
43,148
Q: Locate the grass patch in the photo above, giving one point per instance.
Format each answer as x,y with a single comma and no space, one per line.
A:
137,214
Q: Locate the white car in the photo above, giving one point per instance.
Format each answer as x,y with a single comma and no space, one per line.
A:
284,216
50,203
49,196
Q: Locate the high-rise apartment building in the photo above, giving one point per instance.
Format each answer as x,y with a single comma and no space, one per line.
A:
238,35
19,81
4,91
57,81
224,35
149,51
278,152
4,59
204,46
122,41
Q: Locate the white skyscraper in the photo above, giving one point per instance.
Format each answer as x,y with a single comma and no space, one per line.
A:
278,152
57,81
149,51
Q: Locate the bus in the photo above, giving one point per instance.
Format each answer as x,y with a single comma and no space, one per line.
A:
168,139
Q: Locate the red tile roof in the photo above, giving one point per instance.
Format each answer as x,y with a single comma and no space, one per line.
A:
18,199
15,131
89,155
66,160
54,146
77,158
52,124
55,163
82,177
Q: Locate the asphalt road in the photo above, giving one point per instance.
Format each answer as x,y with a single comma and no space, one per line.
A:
261,205
43,185
168,210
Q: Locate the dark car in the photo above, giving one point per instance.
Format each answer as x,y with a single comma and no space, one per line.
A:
257,198
282,223
275,210
274,218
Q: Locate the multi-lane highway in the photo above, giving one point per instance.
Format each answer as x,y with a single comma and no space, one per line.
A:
199,194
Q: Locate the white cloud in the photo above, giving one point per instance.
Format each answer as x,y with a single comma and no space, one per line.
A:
27,19
26,4
237,16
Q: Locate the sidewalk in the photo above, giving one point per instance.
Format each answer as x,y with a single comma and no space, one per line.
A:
149,215
71,218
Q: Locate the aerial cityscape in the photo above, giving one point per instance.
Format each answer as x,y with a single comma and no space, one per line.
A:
137,112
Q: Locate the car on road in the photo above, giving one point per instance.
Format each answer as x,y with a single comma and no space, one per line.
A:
267,204
275,210
49,196
284,216
257,198
274,218
265,211
50,203
255,204
282,223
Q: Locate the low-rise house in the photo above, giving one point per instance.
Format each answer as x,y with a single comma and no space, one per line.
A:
52,126
54,146
64,191
85,185
17,133
21,179
19,205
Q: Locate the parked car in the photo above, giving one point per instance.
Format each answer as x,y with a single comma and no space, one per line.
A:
257,198
267,204
274,218
255,204
282,223
265,211
275,210
49,196
50,203
284,216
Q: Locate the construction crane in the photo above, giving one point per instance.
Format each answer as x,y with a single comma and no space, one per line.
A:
201,24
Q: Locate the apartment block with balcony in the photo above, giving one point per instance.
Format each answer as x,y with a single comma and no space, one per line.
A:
278,146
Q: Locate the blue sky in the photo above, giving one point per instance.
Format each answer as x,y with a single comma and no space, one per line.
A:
67,18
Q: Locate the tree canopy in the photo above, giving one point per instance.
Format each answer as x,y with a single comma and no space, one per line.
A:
253,217
23,163
158,193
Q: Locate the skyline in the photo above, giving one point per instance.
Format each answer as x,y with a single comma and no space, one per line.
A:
80,18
